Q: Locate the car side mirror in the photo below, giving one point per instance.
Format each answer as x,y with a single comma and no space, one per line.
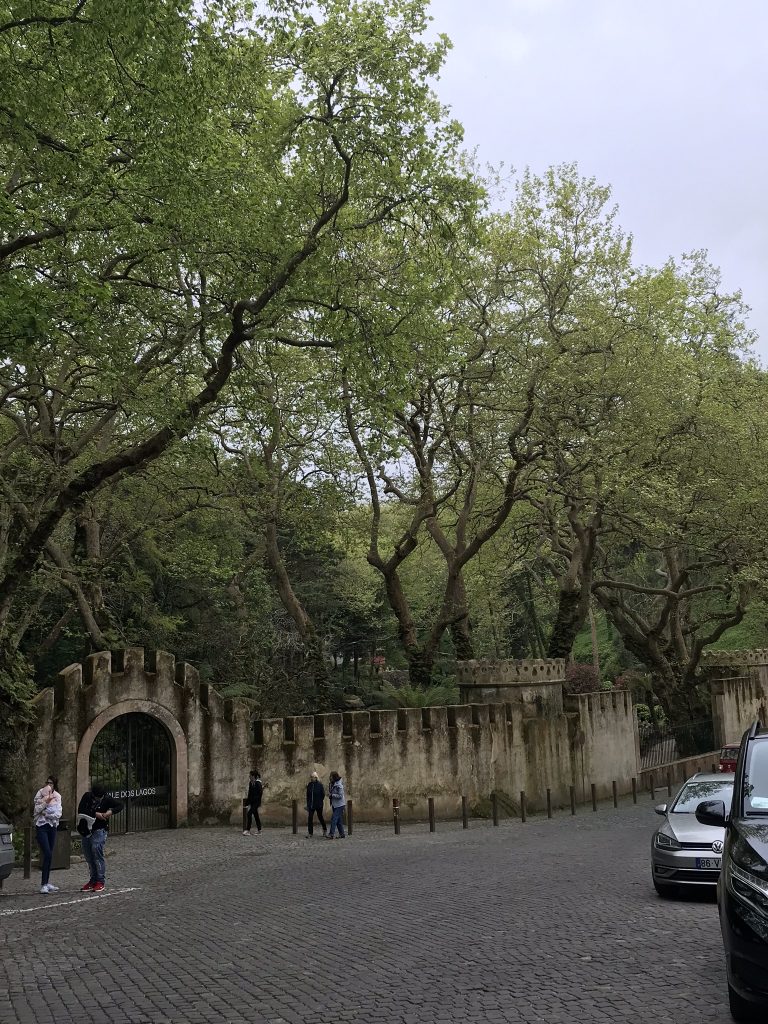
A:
661,809
711,812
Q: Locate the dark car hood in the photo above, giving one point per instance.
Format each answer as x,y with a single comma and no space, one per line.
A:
749,844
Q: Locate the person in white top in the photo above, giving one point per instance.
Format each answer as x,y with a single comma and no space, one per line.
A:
47,813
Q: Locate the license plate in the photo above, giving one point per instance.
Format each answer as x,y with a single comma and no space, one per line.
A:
713,863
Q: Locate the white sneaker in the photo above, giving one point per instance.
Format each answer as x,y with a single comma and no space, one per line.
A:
246,833
52,888
44,889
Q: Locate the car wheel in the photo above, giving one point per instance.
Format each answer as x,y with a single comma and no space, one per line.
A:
666,891
741,1010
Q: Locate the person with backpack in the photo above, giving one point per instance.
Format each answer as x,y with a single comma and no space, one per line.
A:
338,803
315,798
95,809
253,801
47,814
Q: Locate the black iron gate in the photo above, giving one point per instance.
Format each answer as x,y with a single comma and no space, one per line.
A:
131,757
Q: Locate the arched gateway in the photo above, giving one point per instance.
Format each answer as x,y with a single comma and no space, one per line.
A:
169,745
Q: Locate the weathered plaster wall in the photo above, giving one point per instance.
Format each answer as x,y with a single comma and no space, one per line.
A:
210,736
739,688
468,750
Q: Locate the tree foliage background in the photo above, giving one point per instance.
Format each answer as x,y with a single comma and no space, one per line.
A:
289,388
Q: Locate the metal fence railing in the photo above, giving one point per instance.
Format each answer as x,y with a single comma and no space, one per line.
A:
664,742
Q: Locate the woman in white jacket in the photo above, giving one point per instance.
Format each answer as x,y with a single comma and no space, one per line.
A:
47,814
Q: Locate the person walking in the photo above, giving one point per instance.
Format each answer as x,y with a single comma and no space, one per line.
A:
338,803
315,798
95,809
47,814
253,797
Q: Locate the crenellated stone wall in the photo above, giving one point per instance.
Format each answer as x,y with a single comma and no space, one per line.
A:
530,741
537,684
210,737
738,682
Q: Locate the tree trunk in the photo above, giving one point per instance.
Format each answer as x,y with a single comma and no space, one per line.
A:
313,645
572,612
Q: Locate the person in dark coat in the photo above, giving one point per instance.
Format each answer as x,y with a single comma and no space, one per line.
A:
315,798
95,809
253,798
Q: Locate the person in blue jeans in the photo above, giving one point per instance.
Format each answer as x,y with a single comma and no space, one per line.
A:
338,803
95,809
47,814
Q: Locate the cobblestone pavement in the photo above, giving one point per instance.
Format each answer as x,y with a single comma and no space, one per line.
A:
548,921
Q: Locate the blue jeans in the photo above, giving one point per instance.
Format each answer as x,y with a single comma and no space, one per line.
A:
93,851
46,840
337,818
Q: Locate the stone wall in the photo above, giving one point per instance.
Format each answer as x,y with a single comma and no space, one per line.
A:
739,687
468,750
210,736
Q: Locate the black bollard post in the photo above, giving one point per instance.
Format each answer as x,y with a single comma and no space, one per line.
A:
245,815
295,816
431,808
594,797
615,789
522,806
573,799
651,786
28,851
464,815
396,816
634,790
549,803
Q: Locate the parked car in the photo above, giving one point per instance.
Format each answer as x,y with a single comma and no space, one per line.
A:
684,851
728,757
742,892
6,846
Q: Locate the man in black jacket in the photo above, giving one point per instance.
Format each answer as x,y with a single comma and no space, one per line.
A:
253,799
315,798
95,809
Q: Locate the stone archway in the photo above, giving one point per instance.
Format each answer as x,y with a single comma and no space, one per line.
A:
179,752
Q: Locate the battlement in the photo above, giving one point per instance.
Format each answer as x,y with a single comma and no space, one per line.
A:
509,672
734,659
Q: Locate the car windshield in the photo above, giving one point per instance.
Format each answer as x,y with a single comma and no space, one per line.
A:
756,779
729,754
692,794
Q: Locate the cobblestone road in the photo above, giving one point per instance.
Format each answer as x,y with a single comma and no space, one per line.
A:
551,921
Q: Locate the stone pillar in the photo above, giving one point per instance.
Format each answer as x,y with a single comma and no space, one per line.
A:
535,684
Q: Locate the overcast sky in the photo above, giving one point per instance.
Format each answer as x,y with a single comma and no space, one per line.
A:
664,100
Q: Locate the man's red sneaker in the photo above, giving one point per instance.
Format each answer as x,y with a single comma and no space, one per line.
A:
98,887
88,887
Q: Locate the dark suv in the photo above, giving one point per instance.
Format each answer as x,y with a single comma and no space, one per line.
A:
742,892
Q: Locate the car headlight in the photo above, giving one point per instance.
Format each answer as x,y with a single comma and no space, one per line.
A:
667,841
746,886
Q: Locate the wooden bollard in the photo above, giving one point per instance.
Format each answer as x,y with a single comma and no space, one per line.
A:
714,768
464,814
549,803
634,790
594,796
396,816
615,789
651,786
431,810
522,806
349,817
295,816
495,808
573,799
28,851
669,782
